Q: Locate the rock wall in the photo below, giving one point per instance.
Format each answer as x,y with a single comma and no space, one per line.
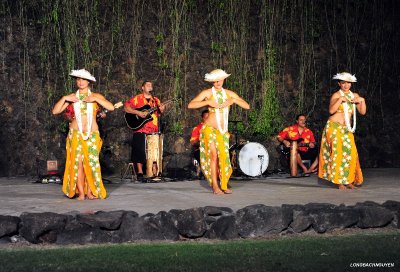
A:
207,222
123,42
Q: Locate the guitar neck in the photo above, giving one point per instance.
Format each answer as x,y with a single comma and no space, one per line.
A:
104,111
151,110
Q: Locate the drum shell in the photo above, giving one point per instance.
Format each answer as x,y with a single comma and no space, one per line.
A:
154,152
250,158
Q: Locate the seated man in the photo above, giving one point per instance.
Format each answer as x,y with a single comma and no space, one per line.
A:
195,141
306,143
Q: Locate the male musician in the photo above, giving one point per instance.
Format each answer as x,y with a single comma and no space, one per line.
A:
306,143
139,136
195,141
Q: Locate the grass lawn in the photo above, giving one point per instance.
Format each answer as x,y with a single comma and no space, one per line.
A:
290,253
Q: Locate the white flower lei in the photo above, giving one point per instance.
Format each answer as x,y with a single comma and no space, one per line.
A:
346,113
225,111
89,116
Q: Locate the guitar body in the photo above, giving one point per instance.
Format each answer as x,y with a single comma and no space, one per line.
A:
134,121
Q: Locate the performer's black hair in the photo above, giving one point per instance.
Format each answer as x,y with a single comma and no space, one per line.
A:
204,112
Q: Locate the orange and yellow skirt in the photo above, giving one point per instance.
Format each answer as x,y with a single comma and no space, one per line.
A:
338,157
89,150
210,136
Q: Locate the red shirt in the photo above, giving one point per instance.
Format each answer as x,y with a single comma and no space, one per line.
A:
196,132
292,133
139,101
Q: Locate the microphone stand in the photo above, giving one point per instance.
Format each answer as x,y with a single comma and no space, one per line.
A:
261,159
235,150
159,132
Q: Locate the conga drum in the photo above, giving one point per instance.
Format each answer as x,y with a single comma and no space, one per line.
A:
293,158
154,151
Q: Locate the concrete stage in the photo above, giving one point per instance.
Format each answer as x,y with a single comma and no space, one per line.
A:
20,194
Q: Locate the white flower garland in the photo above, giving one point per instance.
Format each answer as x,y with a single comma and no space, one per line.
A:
89,116
225,111
346,113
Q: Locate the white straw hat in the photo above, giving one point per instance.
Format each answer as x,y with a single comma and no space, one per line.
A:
82,73
216,75
345,77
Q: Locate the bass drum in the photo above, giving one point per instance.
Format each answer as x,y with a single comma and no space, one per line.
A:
253,159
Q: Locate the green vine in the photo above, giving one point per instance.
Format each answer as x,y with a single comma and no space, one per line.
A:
281,54
265,118
160,50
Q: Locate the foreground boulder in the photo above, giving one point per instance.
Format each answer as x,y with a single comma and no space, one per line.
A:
8,225
41,227
260,220
207,222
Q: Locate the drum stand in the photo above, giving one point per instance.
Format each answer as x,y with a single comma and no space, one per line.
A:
235,164
261,159
130,169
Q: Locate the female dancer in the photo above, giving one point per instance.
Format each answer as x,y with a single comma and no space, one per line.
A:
82,174
214,136
338,159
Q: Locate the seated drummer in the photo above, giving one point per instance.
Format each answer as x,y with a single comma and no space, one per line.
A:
306,145
195,141
150,127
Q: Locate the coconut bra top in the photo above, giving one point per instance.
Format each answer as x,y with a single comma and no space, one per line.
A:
84,109
341,108
219,97
84,106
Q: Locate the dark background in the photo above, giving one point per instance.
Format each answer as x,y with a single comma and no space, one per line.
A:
281,54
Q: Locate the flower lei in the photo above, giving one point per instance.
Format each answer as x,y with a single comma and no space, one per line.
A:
89,116
225,111
346,112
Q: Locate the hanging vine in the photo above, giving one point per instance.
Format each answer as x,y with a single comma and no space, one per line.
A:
174,31
281,54
265,118
229,44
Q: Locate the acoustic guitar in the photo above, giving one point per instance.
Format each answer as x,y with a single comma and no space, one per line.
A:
135,122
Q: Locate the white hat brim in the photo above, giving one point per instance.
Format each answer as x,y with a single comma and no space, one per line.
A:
345,77
83,74
212,77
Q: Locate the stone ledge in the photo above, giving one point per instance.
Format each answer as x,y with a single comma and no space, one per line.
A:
206,222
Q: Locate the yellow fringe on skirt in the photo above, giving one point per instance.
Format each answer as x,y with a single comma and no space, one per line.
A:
338,158
89,151
209,136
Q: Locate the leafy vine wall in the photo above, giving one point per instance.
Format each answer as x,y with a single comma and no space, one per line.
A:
281,54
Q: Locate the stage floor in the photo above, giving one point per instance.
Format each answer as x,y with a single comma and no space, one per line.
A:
20,194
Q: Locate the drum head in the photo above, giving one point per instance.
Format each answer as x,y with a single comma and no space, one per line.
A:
253,159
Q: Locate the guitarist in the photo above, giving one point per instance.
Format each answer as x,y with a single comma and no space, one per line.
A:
150,127
307,145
